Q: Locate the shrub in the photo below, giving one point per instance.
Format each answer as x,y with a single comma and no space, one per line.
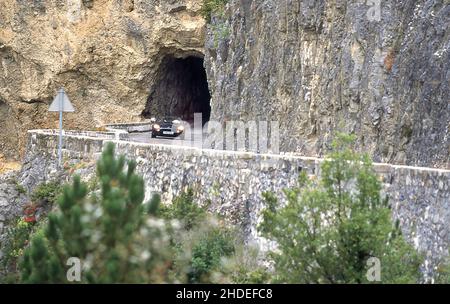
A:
46,193
18,236
258,275
330,227
203,244
185,209
208,254
207,250
16,240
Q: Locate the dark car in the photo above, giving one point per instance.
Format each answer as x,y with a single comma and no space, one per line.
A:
167,127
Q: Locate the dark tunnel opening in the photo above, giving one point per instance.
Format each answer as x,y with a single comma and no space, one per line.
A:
180,90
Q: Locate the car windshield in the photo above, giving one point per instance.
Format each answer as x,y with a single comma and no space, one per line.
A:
170,119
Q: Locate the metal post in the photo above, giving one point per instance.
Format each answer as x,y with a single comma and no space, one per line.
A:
60,126
61,104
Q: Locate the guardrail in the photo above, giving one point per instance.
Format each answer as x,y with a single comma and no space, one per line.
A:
110,135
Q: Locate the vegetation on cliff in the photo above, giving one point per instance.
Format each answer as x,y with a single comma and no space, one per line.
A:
118,239
19,233
212,7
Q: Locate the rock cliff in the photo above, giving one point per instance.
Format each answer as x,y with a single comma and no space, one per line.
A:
380,69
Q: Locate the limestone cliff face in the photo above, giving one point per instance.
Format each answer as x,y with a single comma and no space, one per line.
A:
105,53
319,66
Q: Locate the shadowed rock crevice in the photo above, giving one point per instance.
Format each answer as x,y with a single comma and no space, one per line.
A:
181,89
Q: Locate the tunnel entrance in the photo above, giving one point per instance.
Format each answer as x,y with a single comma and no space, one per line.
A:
180,90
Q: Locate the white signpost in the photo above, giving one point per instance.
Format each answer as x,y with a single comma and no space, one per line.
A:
61,104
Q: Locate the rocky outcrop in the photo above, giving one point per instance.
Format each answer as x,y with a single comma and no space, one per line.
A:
380,69
106,54
13,198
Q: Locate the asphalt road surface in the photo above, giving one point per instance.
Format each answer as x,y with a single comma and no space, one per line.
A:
146,137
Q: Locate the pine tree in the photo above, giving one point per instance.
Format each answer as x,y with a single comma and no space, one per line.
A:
116,237
331,227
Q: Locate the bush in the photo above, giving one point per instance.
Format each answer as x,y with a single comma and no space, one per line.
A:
207,250
17,238
185,209
203,245
208,254
330,227
46,193
258,275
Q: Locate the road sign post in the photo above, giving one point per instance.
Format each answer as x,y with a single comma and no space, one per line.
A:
61,104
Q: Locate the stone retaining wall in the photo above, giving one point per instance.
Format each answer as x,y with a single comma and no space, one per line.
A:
233,182
131,127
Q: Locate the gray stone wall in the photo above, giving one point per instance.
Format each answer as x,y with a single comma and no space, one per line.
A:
234,181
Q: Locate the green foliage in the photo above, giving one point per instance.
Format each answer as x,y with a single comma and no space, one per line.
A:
213,253
330,227
247,268
211,7
207,250
46,193
325,233
259,275
18,236
93,184
16,240
117,238
19,188
202,244
208,254
120,240
205,244
185,209
443,272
